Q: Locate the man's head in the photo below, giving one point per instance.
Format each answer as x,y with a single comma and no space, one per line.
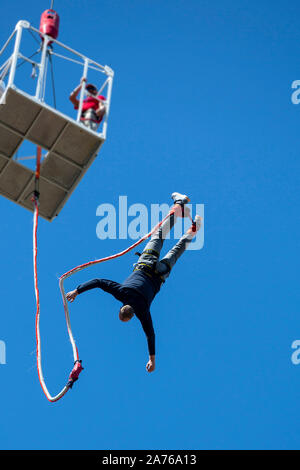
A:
126,313
91,89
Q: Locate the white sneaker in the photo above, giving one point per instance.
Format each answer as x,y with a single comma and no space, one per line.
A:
180,198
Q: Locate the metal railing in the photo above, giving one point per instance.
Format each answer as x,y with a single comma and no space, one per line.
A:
46,51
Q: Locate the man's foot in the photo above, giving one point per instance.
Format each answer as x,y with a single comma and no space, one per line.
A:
191,232
180,198
179,205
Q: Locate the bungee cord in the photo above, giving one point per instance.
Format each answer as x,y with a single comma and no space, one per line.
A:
77,368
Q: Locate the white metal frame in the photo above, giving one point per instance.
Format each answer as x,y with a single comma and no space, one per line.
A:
69,161
86,63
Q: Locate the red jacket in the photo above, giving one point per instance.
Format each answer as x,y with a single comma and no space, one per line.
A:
91,103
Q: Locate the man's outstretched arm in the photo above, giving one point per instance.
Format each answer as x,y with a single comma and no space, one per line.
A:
112,287
147,325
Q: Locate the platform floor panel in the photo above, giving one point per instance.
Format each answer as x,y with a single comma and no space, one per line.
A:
71,148
77,144
60,171
18,112
13,180
46,128
9,142
50,199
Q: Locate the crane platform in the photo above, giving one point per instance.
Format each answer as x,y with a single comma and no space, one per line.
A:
71,148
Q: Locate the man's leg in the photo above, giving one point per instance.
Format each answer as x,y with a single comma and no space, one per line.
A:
165,265
153,248
90,120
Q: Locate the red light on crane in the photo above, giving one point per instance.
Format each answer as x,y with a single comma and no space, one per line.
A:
50,23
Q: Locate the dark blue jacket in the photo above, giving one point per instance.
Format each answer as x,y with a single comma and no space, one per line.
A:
138,291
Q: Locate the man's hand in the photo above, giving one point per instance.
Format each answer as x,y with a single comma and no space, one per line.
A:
72,295
150,366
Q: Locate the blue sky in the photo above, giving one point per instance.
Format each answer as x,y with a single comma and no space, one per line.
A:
201,104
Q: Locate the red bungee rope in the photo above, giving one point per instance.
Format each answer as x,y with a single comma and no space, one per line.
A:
77,368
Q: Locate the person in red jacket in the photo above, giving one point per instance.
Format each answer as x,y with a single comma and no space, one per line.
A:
93,106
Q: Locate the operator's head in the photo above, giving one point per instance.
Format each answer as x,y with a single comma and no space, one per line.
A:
126,313
91,89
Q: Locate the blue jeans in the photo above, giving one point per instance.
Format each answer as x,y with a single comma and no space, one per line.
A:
150,256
